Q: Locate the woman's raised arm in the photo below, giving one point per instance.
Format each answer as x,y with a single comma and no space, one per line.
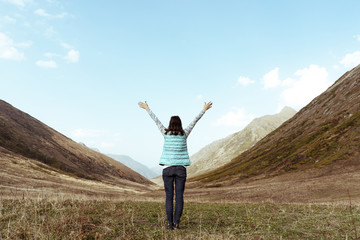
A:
153,116
207,106
189,128
144,105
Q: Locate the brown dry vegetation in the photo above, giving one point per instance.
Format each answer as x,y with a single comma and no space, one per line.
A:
21,176
23,135
104,219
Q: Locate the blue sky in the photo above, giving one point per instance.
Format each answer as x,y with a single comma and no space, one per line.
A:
82,66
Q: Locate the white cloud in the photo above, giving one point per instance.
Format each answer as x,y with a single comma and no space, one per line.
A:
55,3
200,97
301,89
51,55
19,3
46,64
81,133
351,60
102,139
43,13
73,56
7,19
50,32
65,45
310,82
271,79
336,67
287,82
25,44
357,37
8,50
236,118
104,145
245,81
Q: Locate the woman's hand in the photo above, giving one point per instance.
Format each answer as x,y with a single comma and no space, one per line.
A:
144,105
207,106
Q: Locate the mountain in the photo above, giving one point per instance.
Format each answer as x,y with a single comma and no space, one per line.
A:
324,136
158,170
134,165
23,136
224,150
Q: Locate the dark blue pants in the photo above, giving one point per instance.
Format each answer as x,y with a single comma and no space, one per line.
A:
174,175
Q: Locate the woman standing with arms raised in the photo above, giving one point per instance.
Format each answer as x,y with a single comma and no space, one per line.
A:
174,158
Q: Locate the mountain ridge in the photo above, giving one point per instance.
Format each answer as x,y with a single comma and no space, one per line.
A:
134,165
223,150
324,132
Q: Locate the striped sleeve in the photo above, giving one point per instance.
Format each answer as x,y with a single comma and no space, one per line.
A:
192,124
157,122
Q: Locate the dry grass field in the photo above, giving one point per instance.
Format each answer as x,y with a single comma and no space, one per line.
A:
52,206
38,202
89,218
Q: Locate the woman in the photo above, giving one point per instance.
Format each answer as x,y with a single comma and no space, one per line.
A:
174,158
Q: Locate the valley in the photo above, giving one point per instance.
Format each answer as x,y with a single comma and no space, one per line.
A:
298,180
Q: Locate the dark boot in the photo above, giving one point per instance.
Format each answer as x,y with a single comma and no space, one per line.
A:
170,226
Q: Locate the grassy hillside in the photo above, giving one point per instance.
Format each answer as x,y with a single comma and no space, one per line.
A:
23,135
324,133
20,176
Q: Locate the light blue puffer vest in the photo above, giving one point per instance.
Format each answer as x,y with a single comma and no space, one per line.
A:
175,151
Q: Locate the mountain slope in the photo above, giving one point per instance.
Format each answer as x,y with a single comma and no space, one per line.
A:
224,150
25,177
134,165
325,133
23,135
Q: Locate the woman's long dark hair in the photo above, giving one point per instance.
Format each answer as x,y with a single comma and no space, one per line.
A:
175,126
